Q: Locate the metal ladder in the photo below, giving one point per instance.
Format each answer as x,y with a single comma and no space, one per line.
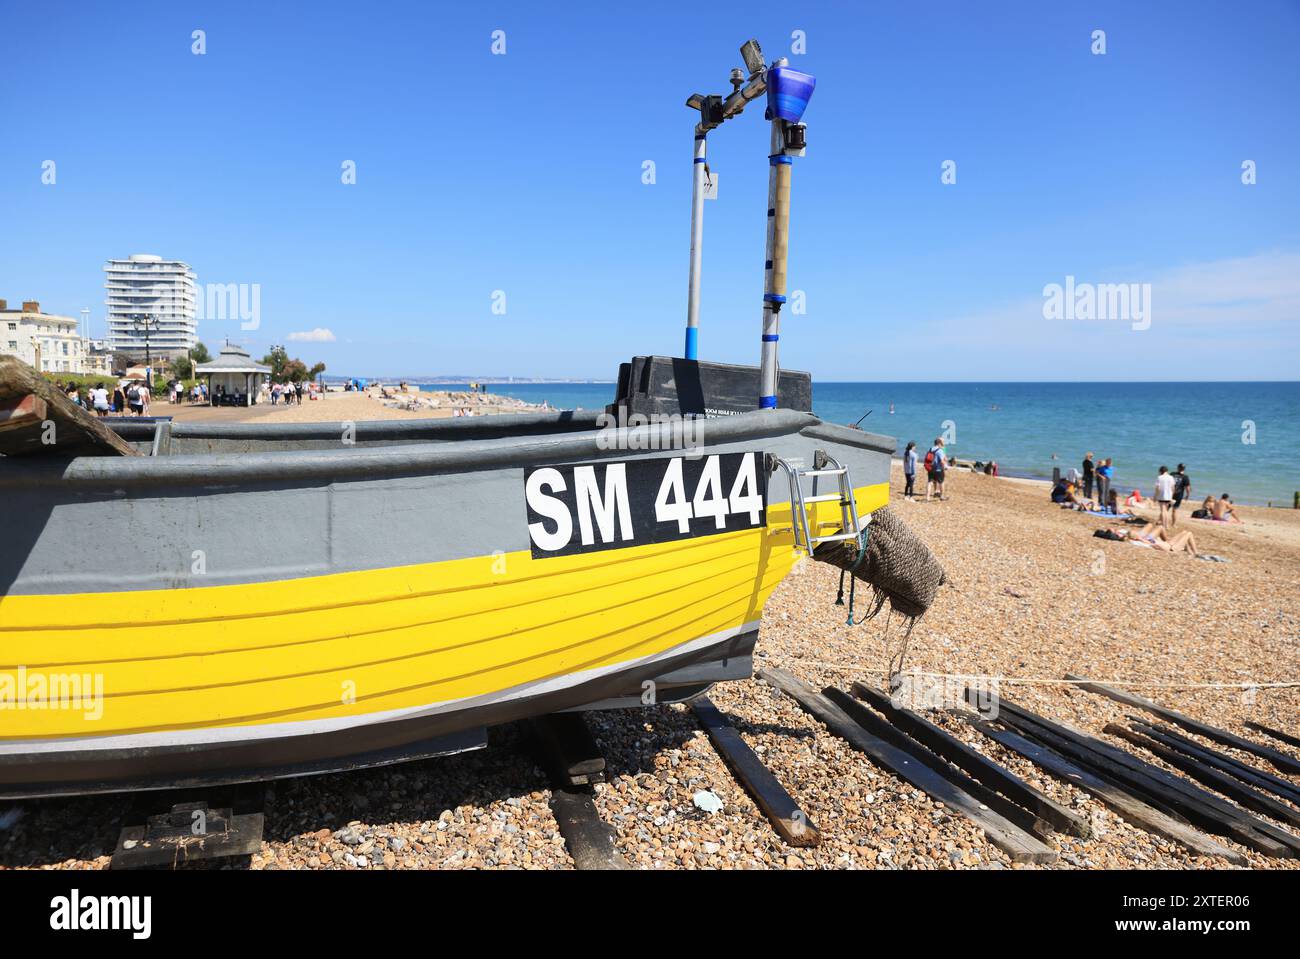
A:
851,526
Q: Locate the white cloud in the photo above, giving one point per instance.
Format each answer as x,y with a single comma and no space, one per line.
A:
1227,319
318,335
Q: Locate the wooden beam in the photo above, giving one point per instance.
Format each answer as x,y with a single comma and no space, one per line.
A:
1275,733
790,822
1122,803
32,402
1230,787
1259,778
978,766
1010,838
1155,785
590,841
1282,761
878,727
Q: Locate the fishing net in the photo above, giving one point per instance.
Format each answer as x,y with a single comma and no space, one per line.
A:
893,561
899,568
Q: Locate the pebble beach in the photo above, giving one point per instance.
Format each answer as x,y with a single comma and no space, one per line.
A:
1031,595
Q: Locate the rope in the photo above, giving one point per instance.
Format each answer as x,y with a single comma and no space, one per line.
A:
896,662
1035,681
853,582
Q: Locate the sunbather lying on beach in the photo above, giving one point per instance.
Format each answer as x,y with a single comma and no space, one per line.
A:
1158,537
1073,500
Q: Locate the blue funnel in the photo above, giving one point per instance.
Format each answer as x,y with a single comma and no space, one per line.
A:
788,93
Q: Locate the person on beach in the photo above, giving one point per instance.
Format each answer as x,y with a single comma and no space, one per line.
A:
1165,495
119,399
1112,505
1102,476
1069,498
935,466
1087,475
1182,491
1157,537
99,399
1225,511
909,469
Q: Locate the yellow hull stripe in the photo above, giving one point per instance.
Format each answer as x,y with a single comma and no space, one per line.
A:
351,644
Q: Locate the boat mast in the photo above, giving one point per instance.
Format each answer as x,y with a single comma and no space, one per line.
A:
714,110
787,92
697,244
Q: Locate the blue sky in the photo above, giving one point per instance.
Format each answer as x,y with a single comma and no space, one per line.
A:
523,173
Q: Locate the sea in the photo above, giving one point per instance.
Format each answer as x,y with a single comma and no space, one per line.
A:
1236,438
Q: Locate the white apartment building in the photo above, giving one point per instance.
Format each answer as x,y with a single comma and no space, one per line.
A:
148,289
49,343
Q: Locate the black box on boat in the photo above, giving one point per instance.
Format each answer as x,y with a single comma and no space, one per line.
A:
671,385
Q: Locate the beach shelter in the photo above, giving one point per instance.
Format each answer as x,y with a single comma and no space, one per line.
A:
233,377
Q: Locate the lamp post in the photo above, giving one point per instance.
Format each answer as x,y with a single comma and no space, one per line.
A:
145,324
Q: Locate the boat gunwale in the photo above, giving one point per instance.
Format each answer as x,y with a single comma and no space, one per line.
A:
415,459
500,424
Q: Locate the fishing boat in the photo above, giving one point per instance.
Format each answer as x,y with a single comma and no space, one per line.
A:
210,603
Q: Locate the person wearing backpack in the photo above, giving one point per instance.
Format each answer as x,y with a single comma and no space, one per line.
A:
936,464
1182,491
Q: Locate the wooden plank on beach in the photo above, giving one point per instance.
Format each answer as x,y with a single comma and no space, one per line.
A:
1282,761
1219,782
982,794
790,822
590,841
36,419
1275,733
1161,787
978,766
1154,785
1259,778
1122,803
1020,845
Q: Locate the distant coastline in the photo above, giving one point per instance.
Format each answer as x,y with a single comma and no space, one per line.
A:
460,380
